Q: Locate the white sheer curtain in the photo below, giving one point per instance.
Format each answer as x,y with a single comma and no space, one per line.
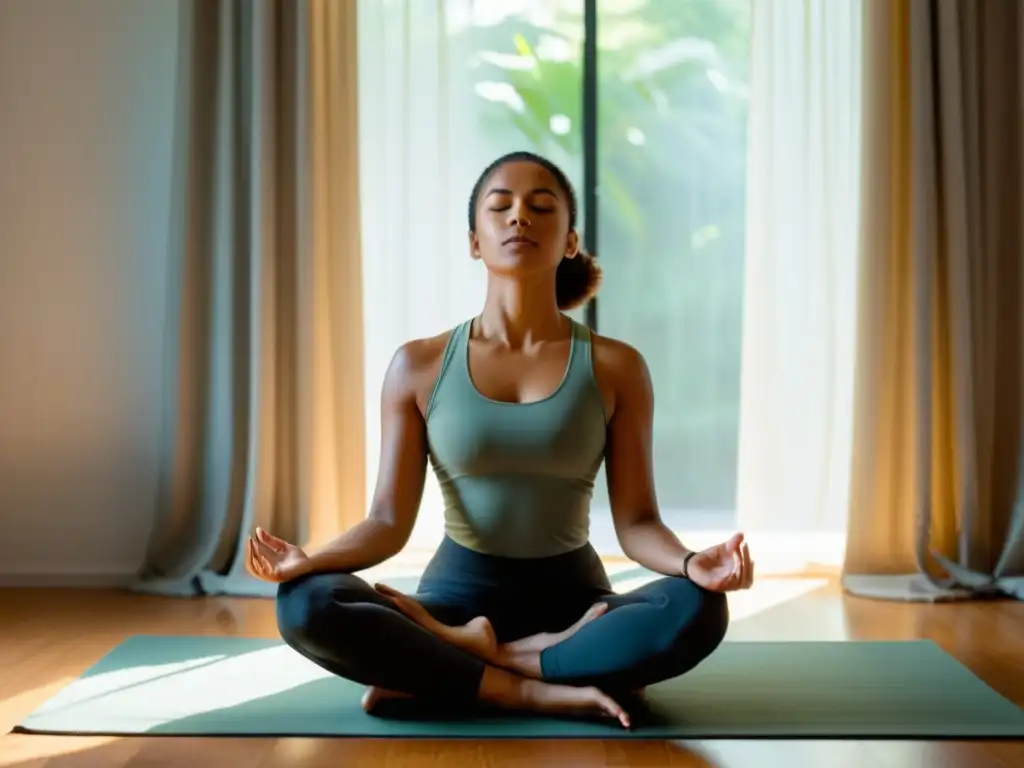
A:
421,149
801,278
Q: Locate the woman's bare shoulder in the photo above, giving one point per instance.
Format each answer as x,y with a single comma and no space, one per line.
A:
418,354
415,366
617,358
621,372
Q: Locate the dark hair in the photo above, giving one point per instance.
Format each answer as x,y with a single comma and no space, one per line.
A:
577,279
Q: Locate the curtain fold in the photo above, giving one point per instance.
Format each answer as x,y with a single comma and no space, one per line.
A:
937,504
263,399
800,279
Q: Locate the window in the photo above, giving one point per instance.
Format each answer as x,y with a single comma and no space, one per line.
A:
672,147
446,91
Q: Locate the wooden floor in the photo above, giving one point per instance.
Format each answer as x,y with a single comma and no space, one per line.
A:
48,637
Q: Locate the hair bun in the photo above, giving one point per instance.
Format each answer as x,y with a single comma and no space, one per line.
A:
577,280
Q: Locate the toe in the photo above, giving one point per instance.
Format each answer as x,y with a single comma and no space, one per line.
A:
612,708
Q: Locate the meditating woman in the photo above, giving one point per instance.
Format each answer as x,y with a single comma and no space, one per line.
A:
515,409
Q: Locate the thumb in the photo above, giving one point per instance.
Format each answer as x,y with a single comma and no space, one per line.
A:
733,544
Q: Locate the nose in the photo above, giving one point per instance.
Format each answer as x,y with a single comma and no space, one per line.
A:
517,215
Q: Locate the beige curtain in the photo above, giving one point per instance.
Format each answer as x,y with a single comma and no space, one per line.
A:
263,416
937,508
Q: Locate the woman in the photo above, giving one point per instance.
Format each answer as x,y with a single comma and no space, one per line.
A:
515,409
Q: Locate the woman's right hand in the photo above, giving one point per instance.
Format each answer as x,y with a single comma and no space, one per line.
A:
273,559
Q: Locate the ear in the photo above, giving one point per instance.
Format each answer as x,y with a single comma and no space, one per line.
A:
572,244
474,245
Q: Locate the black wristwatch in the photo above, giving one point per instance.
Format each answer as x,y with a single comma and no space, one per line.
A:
686,564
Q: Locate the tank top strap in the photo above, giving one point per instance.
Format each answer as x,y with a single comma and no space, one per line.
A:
581,362
454,350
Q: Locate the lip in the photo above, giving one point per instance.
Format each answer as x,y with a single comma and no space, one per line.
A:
519,239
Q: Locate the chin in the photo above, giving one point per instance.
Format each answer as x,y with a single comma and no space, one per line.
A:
513,269
521,261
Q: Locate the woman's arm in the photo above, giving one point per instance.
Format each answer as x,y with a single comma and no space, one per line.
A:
402,470
628,459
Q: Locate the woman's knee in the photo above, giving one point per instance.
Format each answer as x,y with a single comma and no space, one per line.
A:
713,619
706,624
309,608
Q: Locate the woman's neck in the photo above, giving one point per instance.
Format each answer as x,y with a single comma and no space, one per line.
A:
517,313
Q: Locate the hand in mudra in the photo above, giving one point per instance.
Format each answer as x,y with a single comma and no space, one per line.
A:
270,558
723,568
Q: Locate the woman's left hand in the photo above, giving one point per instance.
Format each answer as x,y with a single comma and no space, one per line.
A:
723,568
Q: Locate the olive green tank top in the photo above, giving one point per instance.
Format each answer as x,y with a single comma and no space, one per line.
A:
517,478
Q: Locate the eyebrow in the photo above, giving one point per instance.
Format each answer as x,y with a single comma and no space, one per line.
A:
537,191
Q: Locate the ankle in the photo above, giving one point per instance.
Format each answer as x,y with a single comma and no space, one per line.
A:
525,663
506,689
531,692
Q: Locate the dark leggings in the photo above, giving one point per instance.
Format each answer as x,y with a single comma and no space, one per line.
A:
655,632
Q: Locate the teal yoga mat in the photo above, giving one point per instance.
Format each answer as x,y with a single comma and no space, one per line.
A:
232,686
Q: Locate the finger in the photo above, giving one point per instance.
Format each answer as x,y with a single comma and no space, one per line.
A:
400,599
267,565
248,557
263,550
272,541
747,575
750,575
264,538
405,604
731,577
254,565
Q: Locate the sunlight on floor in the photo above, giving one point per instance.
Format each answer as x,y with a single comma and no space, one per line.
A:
770,593
19,750
26,701
147,695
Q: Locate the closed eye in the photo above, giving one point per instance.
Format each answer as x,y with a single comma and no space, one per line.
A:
536,208
540,193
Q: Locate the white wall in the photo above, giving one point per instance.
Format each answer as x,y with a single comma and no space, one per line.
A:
86,103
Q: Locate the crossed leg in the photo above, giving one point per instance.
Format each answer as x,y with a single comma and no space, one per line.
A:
345,626
478,637
621,643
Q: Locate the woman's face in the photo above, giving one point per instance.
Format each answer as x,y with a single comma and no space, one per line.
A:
522,221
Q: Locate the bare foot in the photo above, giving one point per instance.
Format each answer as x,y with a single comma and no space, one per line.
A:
536,696
375,695
523,656
537,643
568,700
476,637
